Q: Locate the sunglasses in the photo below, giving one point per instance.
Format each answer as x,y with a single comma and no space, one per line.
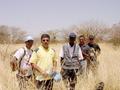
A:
91,39
45,40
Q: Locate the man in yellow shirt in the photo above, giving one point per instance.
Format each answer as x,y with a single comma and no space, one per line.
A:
43,60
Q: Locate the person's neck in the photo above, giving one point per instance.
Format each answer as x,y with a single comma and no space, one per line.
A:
71,44
81,44
91,43
46,48
28,48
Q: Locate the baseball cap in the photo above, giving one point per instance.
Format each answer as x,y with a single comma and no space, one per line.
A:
27,38
72,34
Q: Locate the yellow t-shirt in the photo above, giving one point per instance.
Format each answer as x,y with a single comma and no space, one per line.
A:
44,59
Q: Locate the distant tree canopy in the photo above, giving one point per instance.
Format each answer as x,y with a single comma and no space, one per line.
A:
11,34
102,33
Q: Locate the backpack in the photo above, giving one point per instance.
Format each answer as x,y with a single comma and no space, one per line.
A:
18,62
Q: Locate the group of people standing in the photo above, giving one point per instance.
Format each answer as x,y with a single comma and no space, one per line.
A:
78,58
41,63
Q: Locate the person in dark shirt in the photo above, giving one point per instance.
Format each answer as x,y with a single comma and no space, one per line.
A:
92,44
94,52
95,47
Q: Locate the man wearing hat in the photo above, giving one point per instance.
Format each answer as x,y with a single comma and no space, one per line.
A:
70,61
21,62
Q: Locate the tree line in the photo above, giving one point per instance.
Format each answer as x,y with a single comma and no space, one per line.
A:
103,33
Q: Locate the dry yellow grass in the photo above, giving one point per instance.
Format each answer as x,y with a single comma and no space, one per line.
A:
108,72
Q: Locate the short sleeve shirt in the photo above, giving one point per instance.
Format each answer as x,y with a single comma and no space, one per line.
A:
44,60
24,54
71,52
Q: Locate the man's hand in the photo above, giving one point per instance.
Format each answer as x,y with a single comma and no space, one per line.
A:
45,74
23,71
13,65
54,69
39,70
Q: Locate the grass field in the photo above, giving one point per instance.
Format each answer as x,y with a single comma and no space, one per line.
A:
108,72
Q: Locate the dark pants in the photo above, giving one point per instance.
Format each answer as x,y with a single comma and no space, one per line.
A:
44,85
69,78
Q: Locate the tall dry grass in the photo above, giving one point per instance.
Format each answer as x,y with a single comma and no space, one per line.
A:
108,71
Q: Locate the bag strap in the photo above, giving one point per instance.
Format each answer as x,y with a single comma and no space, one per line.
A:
22,56
74,49
36,50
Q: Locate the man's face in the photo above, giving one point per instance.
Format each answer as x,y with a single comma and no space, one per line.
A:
72,40
82,40
29,43
45,42
91,40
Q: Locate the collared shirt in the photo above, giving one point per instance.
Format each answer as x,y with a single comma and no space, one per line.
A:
24,63
95,46
71,49
85,48
44,60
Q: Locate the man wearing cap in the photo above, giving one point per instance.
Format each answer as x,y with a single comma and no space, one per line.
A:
21,61
44,62
70,61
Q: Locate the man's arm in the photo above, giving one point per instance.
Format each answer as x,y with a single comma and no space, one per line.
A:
61,56
13,64
39,70
36,68
54,65
80,54
98,50
54,61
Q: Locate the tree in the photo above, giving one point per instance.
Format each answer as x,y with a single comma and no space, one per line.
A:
11,34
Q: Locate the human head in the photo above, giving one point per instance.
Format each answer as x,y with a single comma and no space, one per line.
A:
82,39
72,38
91,39
45,39
28,41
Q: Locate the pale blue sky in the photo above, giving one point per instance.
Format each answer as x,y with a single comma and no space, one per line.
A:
37,15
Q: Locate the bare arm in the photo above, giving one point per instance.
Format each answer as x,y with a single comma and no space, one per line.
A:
39,70
36,68
13,64
54,65
80,55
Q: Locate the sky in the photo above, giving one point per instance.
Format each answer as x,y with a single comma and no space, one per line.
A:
35,16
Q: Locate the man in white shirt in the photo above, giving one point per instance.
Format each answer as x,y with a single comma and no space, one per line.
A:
21,61
70,61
